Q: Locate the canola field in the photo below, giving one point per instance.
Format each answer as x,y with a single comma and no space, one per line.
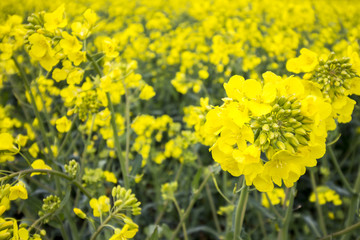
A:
136,119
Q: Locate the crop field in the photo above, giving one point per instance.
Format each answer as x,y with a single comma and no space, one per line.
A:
179,119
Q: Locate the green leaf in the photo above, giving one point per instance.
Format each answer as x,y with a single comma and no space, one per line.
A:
154,235
312,224
196,180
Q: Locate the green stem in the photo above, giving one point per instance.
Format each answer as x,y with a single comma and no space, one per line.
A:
338,169
161,214
213,209
57,173
317,204
33,103
272,207
127,120
180,215
240,210
98,230
191,204
113,125
345,231
39,220
353,205
288,215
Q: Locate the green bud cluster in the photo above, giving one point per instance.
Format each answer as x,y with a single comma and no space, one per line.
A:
36,25
72,168
168,190
333,75
284,128
50,204
35,22
89,104
125,200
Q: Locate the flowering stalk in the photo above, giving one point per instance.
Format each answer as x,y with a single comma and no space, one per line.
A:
318,207
113,125
36,111
240,210
283,234
352,208
191,204
57,173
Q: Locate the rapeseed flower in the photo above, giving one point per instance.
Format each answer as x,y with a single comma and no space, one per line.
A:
268,131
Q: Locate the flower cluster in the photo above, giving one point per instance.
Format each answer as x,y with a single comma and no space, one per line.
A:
269,131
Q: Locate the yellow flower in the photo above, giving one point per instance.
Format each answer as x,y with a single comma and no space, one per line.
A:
110,177
90,17
18,191
41,50
127,232
55,19
147,92
277,119
99,206
2,209
63,124
6,143
276,196
79,213
306,62
69,43
39,164
325,194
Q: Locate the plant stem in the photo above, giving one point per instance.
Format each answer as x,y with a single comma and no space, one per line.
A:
240,210
98,230
180,215
33,103
317,204
352,207
38,221
283,234
113,125
191,204
344,231
338,169
161,214
212,207
57,173
127,120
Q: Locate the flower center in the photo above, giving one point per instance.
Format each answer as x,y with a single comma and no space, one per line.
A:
284,128
333,76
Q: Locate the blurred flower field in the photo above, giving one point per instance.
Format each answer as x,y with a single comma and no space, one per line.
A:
179,119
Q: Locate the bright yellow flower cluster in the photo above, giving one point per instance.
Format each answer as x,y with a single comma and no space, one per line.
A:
269,131
334,79
275,197
325,194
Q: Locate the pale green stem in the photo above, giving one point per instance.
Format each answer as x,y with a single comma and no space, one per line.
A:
39,220
33,103
180,215
98,230
345,231
161,214
113,125
352,208
127,120
212,207
240,210
57,173
338,169
317,204
191,204
284,232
